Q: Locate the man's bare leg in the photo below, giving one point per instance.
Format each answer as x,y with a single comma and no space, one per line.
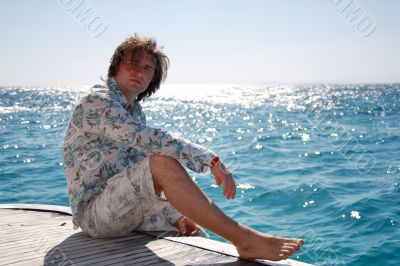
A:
169,176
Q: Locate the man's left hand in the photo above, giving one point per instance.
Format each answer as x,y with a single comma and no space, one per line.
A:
187,227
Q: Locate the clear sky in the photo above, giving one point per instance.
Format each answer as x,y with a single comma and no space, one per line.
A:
47,42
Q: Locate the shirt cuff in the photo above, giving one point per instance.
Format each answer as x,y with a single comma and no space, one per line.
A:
172,214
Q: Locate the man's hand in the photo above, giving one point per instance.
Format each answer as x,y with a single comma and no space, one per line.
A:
187,227
224,176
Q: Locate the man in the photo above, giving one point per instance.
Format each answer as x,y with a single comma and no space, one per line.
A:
124,176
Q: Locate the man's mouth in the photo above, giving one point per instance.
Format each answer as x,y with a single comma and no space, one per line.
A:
136,81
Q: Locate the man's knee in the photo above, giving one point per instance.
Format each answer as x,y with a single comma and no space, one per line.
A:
161,162
163,168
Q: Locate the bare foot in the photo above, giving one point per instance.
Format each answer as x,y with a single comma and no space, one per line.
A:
262,246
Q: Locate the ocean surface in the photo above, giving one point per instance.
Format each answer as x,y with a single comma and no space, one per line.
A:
321,162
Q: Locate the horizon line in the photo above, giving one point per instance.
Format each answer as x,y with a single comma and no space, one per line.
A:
220,83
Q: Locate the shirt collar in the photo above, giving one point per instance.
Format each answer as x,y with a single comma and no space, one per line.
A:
113,87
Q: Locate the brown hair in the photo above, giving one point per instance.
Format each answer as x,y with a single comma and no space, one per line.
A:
135,44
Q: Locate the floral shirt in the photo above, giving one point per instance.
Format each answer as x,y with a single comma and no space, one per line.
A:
106,134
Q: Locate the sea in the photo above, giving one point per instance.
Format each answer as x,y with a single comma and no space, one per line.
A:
314,161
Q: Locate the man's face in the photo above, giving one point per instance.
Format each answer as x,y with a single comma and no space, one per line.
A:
135,73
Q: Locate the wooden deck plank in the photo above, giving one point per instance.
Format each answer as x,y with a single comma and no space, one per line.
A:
139,251
197,258
32,236
90,248
79,238
17,232
11,213
43,235
150,248
190,257
30,221
105,252
172,254
153,255
80,247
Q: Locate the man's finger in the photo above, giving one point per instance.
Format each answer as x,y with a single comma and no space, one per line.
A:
182,226
218,181
195,232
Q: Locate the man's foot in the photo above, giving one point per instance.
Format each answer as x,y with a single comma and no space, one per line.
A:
262,246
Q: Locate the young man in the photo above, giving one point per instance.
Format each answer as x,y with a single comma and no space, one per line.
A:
118,169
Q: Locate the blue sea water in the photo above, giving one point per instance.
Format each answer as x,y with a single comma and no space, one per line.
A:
321,162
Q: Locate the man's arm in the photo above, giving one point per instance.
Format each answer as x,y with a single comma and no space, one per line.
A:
100,114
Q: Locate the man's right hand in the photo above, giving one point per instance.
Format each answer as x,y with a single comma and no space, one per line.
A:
224,176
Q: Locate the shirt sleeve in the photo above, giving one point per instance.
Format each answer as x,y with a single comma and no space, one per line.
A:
98,113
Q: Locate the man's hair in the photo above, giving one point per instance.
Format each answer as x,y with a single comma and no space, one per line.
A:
136,44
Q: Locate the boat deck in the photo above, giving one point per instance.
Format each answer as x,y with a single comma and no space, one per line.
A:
33,234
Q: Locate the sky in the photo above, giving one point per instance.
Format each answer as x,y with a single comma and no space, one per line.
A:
70,42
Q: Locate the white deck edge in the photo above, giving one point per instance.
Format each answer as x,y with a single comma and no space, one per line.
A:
228,249
200,242
38,207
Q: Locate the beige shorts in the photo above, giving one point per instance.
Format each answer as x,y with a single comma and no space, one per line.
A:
128,202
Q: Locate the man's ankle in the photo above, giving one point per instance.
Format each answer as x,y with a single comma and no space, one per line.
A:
241,236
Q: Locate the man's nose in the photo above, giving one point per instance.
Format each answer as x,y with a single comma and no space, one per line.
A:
137,71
